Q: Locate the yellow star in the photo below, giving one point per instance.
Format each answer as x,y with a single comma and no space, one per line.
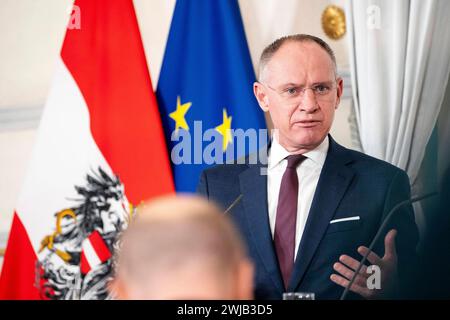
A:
225,130
179,113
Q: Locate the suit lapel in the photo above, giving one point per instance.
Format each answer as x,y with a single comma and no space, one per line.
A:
254,190
333,182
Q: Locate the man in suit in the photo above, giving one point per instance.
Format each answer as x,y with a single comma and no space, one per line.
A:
311,209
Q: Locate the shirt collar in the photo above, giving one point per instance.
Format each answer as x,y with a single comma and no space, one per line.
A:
278,153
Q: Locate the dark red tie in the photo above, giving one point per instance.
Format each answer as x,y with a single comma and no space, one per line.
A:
285,224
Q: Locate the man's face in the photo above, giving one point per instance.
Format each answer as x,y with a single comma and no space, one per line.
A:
303,117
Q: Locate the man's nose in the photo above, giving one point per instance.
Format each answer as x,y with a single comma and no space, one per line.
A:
308,103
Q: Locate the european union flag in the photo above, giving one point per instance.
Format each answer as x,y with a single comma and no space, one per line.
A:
205,90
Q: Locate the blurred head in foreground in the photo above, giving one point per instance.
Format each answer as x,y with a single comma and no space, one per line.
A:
182,247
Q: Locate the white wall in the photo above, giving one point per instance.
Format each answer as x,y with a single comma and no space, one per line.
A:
31,34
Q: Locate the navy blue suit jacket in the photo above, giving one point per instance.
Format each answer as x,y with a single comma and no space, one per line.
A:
350,184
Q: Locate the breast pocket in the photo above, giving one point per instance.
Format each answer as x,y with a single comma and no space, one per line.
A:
344,224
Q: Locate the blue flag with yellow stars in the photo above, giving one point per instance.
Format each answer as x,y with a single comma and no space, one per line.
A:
205,90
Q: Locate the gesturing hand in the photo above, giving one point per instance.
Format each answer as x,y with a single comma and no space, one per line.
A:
346,267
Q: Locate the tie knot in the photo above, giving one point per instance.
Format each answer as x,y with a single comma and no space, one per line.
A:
294,160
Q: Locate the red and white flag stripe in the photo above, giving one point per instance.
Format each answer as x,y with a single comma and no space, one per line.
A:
94,252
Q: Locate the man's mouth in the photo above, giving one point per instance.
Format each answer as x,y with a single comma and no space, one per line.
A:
307,123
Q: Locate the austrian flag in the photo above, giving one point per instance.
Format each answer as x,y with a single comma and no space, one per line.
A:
100,148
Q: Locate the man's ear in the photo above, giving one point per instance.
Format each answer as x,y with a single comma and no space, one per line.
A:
261,96
244,280
340,90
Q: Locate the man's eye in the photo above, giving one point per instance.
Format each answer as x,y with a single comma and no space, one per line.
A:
292,91
321,89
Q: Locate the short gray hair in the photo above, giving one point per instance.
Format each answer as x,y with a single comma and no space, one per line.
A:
272,48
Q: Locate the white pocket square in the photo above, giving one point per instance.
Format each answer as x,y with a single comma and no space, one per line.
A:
344,219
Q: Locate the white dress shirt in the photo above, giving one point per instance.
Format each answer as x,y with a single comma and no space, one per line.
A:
308,173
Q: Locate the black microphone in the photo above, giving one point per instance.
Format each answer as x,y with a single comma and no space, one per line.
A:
378,234
234,203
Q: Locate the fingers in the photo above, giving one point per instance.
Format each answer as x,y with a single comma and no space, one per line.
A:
346,267
343,282
373,258
352,263
389,244
361,279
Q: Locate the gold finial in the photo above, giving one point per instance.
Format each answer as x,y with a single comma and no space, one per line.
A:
333,22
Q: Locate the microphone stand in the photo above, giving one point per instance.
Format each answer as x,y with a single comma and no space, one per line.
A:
235,202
